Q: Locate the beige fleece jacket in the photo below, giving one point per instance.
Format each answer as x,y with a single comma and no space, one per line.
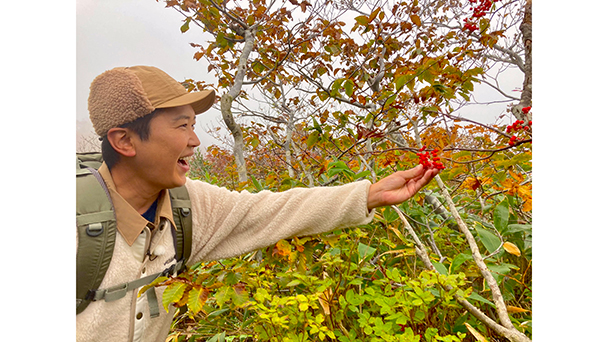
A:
225,224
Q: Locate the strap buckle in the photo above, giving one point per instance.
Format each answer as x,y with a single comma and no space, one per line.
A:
116,292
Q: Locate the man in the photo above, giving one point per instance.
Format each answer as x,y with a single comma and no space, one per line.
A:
146,121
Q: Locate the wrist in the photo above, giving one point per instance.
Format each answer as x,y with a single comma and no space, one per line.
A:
372,197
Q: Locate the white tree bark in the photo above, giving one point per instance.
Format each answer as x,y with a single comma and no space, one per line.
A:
507,330
226,105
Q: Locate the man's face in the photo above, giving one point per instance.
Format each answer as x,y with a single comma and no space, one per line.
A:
160,161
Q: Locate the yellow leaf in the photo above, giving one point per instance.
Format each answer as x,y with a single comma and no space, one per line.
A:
515,309
527,206
324,301
282,248
511,248
518,177
416,20
397,232
478,336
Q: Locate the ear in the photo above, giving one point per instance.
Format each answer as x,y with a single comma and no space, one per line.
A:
121,140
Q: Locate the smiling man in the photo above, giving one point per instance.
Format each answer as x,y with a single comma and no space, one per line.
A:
146,120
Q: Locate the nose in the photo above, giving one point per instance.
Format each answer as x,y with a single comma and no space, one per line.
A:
194,141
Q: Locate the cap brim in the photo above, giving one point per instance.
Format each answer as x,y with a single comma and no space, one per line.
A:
201,101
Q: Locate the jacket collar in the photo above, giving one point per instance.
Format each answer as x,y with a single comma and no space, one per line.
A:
128,221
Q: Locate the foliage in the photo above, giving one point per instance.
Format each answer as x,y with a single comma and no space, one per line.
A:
344,100
367,284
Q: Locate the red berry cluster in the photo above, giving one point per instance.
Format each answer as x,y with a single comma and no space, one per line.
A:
479,10
468,25
424,159
517,126
483,7
526,109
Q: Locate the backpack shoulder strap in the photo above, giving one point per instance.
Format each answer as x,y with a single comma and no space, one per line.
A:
182,216
96,224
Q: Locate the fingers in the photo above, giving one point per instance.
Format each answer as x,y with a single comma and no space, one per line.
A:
413,173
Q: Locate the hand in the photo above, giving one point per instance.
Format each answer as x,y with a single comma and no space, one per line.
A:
399,187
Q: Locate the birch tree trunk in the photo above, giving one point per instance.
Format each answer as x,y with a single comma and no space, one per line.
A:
526,94
230,96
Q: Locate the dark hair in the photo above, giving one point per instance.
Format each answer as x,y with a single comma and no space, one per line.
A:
140,126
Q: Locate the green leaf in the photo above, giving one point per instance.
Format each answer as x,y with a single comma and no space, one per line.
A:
501,216
196,299
257,184
221,337
214,11
258,67
390,100
363,174
316,125
152,284
459,260
484,23
221,40
365,251
477,297
490,241
335,88
400,82
312,138
516,228
173,293
349,87
440,267
362,20
186,26
337,167
293,283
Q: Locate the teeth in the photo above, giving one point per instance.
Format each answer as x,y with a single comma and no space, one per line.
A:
186,159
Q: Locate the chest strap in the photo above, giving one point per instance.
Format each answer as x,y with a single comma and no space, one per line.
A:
119,291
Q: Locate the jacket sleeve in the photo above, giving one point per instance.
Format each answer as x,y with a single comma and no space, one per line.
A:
229,223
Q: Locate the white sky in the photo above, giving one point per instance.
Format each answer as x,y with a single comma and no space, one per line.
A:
113,33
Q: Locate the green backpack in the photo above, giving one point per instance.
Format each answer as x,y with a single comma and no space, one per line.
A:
96,223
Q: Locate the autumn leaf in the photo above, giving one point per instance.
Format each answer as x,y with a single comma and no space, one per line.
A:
511,248
515,309
324,301
373,15
527,206
196,299
282,248
416,20
478,336
173,293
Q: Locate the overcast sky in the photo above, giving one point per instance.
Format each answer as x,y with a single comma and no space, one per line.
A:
113,33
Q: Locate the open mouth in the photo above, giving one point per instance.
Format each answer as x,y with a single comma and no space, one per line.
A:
184,161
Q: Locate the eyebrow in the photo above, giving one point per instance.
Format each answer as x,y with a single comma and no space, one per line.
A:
184,116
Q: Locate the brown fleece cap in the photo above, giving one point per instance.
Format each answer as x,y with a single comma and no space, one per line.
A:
124,94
